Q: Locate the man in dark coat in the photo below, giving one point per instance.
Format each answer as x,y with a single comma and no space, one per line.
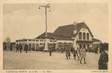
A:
103,60
26,48
67,51
20,48
73,52
17,47
50,51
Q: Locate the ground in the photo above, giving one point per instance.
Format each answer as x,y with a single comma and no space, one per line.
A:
42,60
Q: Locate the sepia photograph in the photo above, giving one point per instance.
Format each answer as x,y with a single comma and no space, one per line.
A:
57,36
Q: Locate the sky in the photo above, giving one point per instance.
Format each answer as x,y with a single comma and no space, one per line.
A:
25,20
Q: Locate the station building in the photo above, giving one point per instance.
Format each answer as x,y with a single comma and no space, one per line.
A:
76,35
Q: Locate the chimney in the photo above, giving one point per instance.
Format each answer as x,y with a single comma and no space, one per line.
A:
74,22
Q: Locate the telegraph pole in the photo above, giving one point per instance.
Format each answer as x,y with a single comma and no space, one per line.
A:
45,9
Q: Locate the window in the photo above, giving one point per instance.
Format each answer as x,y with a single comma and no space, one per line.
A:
29,39
80,35
51,40
84,46
41,43
87,36
88,45
60,43
37,40
80,46
84,36
41,40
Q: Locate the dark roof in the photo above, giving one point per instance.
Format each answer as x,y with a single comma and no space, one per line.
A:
65,32
96,40
53,36
61,37
49,35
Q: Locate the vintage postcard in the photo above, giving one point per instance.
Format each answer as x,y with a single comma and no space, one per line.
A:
55,37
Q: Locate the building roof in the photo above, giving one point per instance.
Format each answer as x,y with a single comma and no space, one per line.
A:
96,40
65,32
52,36
49,36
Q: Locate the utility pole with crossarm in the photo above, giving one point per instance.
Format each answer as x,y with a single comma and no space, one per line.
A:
46,9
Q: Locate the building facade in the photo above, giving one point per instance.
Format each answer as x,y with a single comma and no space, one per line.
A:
76,35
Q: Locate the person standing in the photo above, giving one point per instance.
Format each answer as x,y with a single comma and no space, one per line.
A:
103,60
67,53
20,48
26,48
74,53
50,52
78,54
83,55
17,47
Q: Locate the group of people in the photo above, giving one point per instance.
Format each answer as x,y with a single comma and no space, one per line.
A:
19,48
79,54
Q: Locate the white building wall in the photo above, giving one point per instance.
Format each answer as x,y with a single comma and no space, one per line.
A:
84,30
66,41
76,38
63,41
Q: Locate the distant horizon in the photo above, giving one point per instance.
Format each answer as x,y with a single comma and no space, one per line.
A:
27,21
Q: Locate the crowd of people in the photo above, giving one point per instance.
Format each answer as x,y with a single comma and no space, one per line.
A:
77,53
80,55
19,48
